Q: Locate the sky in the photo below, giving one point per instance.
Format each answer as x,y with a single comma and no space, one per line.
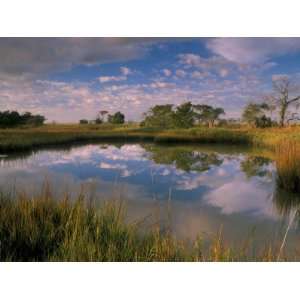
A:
68,79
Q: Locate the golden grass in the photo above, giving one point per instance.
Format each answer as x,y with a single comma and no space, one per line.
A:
20,138
44,229
288,165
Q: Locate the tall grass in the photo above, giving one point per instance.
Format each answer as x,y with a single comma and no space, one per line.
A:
288,166
20,139
43,229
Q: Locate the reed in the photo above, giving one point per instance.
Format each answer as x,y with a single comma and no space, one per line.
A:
44,229
288,166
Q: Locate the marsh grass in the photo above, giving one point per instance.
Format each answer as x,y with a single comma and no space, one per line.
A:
24,139
44,229
288,166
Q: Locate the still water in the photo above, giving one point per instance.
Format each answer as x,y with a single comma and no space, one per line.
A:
194,190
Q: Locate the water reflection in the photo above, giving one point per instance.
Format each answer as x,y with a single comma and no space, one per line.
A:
184,158
256,166
210,186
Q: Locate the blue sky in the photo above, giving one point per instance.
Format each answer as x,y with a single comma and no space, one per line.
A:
67,79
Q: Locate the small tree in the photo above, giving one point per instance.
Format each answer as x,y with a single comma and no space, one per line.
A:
83,121
117,118
254,115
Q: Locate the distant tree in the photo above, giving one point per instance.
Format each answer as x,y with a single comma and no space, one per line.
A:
184,115
98,120
160,116
254,115
263,122
208,114
34,120
284,96
117,118
102,114
13,118
83,121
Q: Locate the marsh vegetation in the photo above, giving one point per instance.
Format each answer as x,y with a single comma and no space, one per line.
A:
44,229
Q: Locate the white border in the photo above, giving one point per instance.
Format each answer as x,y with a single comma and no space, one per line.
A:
149,281
150,18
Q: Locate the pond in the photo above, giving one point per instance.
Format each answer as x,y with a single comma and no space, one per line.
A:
192,190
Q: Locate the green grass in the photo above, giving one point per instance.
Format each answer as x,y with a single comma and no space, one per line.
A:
21,139
288,166
43,229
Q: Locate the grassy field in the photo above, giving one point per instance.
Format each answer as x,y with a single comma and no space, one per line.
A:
43,229
28,138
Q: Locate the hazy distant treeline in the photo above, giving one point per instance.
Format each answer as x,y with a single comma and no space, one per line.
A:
13,119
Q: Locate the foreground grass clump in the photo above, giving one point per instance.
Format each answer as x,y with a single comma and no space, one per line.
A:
43,229
288,166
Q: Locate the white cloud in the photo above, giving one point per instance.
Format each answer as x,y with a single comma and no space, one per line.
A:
190,59
245,198
161,85
167,72
223,72
252,50
105,165
180,73
125,71
276,77
104,79
206,67
198,75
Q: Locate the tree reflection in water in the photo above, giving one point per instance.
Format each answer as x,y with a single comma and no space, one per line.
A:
256,166
184,158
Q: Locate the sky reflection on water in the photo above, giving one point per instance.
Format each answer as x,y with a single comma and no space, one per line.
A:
208,187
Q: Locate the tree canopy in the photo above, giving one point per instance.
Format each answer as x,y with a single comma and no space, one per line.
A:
13,119
160,116
182,116
254,115
207,114
117,118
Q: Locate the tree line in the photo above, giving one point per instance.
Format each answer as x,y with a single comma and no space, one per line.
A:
14,119
283,100
104,117
185,115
